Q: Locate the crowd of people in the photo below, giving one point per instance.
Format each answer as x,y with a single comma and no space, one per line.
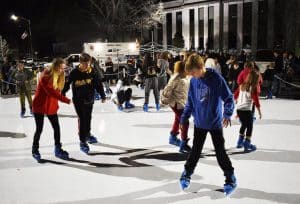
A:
209,87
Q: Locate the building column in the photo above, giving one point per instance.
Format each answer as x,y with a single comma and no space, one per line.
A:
186,28
164,31
216,26
239,43
254,27
225,26
205,26
196,28
270,39
173,23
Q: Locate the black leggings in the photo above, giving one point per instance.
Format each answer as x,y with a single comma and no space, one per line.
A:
246,118
219,144
39,121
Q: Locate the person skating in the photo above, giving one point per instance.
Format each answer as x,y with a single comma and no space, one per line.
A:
244,95
23,78
206,93
122,94
85,81
150,71
45,102
175,95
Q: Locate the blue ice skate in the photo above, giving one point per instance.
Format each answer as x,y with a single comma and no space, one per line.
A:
84,147
97,96
128,105
248,147
157,106
173,140
145,107
60,153
36,155
184,147
92,139
185,180
120,108
230,187
22,114
240,142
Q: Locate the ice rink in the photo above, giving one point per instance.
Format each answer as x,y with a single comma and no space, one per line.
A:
133,163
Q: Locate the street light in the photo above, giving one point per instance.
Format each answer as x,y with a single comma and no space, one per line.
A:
16,18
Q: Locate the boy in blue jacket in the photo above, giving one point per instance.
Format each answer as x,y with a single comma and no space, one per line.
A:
206,93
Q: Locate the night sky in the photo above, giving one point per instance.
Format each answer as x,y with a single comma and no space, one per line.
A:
51,21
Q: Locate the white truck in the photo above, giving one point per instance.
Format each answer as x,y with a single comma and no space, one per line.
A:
117,51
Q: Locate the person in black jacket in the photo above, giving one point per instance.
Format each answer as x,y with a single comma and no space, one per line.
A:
268,77
84,80
233,74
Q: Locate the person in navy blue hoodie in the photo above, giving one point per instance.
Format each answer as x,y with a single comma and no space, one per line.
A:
207,91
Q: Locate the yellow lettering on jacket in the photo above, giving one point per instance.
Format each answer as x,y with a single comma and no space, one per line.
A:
83,82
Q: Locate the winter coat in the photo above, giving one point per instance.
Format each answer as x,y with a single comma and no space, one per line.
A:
176,91
46,98
206,97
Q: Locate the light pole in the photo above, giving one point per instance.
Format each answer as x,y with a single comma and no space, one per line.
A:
16,18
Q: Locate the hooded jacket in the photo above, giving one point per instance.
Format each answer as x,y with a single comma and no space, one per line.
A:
205,99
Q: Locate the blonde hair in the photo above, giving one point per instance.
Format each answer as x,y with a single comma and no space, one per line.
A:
58,79
179,68
194,62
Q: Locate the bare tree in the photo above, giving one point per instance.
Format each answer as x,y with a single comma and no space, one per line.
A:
4,49
117,17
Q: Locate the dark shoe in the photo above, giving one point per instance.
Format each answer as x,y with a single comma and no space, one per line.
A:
84,147
145,107
229,187
92,139
36,155
240,142
60,153
184,147
248,147
173,140
185,180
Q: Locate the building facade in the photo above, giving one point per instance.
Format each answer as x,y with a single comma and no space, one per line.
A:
227,24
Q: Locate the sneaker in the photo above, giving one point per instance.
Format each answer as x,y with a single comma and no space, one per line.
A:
128,105
229,187
145,107
36,155
240,142
248,147
184,147
84,147
173,140
185,180
92,139
157,106
60,153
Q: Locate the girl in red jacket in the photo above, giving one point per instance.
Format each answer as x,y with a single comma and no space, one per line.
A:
45,102
244,96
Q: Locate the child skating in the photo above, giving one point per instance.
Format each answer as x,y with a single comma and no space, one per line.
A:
175,95
244,96
206,93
